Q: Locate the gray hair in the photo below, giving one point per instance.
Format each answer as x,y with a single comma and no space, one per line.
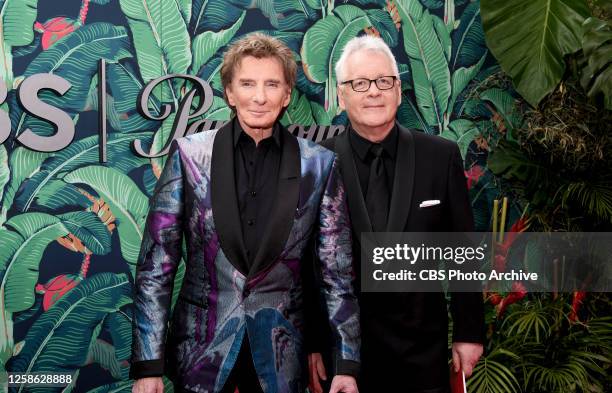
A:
365,42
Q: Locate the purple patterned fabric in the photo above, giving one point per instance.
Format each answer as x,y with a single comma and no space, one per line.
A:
200,341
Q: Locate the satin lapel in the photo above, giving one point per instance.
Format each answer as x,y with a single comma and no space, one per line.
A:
359,214
285,203
226,215
403,184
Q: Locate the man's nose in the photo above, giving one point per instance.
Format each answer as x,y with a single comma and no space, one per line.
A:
373,90
259,95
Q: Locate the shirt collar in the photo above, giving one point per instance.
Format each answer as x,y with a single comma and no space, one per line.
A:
362,146
239,133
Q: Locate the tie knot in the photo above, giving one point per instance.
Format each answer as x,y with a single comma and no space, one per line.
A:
377,150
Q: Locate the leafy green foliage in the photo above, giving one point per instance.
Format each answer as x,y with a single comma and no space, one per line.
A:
447,90
21,255
597,48
17,18
533,54
126,200
60,338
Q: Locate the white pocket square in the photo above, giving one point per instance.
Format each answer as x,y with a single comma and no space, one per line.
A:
428,203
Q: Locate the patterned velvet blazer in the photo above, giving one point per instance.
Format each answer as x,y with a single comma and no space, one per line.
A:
220,301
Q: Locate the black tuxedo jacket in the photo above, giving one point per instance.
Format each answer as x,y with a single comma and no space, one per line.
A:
405,335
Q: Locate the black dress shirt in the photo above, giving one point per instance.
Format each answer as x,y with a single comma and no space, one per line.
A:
363,157
256,169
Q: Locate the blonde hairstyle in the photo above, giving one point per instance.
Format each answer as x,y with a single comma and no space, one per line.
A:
357,44
260,46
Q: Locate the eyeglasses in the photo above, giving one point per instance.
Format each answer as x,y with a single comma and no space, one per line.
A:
362,84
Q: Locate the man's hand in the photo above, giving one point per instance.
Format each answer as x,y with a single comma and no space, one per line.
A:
344,384
149,385
316,372
465,356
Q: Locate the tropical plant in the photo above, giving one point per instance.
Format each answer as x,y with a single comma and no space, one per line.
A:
534,55
94,212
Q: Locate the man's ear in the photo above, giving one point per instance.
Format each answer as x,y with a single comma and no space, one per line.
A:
399,92
340,94
287,98
230,96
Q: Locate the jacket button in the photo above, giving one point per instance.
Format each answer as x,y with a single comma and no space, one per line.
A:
246,292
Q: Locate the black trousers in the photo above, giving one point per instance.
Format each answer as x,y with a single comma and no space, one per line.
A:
243,375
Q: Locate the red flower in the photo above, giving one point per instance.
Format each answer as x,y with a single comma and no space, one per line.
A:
473,175
502,249
578,298
495,298
54,29
56,288
518,292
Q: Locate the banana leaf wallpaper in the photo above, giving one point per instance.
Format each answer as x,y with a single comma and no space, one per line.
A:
71,226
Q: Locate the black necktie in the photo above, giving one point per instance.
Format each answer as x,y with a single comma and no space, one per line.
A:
377,197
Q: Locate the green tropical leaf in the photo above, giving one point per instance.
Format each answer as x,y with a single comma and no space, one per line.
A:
16,29
127,202
462,77
103,353
60,338
215,15
593,197
443,32
597,48
323,44
78,154
160,139
463,132
160,37
185,8
206,44
469,96
293,39
508,160
34,232
118,326
74,58
89,229
408,115
58,195
23,163
433,4
287,14
218,110
124,86
533,55
492,376
504,104
9,244
530,323
430,73
211,73
468,39
482,195
5,171
321,117
298,111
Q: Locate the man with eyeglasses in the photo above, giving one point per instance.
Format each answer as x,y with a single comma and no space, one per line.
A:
388,171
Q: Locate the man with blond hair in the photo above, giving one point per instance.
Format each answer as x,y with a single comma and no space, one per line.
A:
247,198
400,180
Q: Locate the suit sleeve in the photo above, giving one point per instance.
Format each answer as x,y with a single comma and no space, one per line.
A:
334,251
160,254
467,308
